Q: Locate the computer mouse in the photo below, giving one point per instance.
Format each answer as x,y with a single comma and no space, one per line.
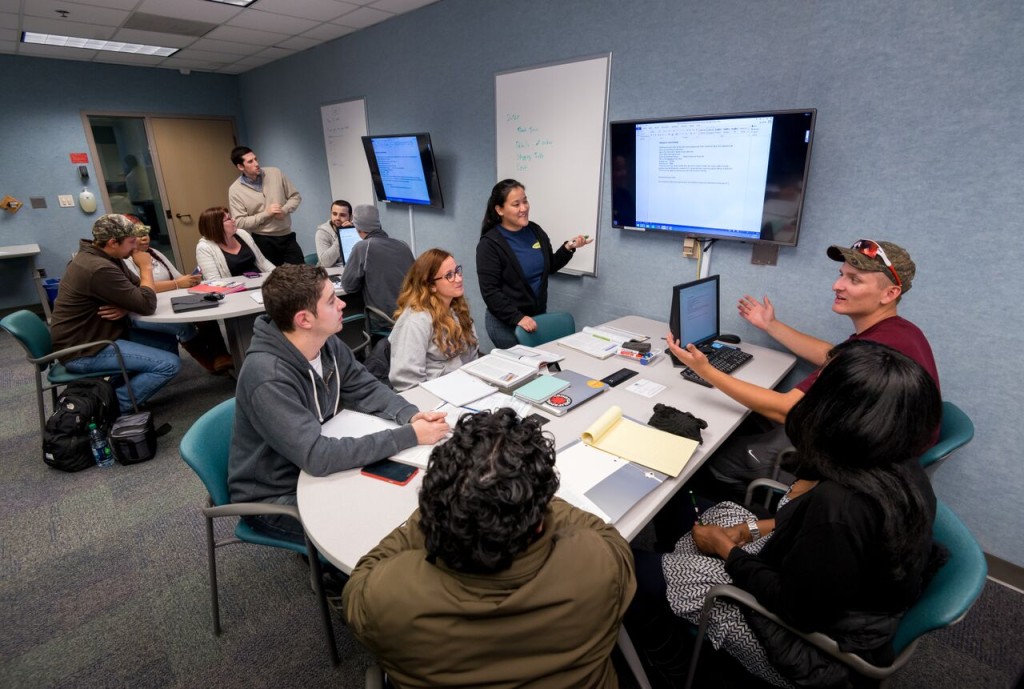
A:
728,338
213,297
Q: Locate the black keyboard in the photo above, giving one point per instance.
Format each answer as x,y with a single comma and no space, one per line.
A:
725,359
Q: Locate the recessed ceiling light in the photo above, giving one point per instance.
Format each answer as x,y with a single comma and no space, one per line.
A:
236,3
94,44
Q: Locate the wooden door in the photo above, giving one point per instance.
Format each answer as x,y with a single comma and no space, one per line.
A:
192,156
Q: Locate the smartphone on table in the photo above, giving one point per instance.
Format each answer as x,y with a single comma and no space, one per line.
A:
390,471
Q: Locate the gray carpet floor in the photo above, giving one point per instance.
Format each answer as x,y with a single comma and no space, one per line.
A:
103,579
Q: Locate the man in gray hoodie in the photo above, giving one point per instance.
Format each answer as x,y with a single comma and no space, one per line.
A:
377,266
296,376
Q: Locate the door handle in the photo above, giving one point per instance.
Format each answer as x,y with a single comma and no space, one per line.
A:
183,216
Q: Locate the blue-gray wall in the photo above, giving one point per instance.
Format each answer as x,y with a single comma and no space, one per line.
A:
41,124
917,142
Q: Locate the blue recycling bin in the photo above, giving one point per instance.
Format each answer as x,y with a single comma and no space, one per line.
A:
51,285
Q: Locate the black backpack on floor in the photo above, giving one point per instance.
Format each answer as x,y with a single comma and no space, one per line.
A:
66,438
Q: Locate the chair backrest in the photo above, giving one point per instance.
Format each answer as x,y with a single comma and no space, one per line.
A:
550,326
30,332
205,448
956,431
311,259
953,589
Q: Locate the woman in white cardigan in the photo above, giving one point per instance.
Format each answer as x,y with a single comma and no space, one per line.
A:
225,251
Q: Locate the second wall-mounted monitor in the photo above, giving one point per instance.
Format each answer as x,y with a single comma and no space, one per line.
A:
737,176
403,169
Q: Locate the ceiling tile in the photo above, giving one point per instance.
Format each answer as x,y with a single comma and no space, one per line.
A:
231,47
328,32
299,43
10,35
128,59
165,40
240,35
13,6
363,17
209,55
8,21
66,28
234,69
112,4
400,6
47,9
191,9
274,23
317,10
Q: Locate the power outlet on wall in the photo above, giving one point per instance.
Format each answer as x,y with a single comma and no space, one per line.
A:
66,201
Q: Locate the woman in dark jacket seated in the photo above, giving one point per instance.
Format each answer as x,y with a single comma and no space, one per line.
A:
850,544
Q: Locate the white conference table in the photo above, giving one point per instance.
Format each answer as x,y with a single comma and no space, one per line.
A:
237,311
346,514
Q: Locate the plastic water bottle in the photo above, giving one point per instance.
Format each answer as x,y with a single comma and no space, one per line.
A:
100,447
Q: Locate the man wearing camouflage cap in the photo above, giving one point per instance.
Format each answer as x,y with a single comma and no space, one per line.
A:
872,279
96,294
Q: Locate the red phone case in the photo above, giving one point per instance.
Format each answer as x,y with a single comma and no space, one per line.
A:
415,470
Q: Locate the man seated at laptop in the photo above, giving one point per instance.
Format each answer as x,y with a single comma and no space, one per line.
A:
295,377
493,581
377,266
329,250
872,279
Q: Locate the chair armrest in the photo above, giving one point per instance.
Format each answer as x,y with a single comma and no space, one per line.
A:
57,354
817,639
381,314
770,484
250,509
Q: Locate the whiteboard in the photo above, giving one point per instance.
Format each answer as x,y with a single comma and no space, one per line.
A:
349,173
550,125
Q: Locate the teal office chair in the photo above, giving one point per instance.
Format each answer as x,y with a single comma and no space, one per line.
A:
957,430
34,337
550,326
945,601
380,332
311,259
353,333
205,449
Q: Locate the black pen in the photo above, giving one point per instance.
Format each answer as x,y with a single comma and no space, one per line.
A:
696,511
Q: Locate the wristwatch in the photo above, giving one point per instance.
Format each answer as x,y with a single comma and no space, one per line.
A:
755,533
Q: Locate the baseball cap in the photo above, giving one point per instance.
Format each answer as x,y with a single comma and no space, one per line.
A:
112,226
869,255
366,218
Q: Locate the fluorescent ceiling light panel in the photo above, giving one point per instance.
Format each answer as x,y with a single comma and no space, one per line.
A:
95,44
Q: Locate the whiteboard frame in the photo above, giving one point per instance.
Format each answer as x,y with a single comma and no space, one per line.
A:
359,177
568,270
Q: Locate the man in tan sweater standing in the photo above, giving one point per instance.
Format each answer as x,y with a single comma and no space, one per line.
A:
262,200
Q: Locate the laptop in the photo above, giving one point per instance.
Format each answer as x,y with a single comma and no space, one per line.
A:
581,389
696,318
348,236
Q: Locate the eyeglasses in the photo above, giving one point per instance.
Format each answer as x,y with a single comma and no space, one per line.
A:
871,249
450,275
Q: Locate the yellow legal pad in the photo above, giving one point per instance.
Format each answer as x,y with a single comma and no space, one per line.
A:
640,444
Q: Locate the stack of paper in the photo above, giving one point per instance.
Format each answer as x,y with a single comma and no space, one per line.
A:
458,388
639,443
528,355
600,342
354,424
218,287
601,483
507,374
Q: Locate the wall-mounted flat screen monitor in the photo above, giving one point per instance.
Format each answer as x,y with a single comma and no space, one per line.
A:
737,176
403,169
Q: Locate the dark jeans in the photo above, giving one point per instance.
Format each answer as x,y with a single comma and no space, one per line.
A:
502,334
279,250
279,525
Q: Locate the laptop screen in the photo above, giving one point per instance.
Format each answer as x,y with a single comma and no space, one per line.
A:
349,236
695,315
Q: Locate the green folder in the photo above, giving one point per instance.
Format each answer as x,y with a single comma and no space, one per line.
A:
540,389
